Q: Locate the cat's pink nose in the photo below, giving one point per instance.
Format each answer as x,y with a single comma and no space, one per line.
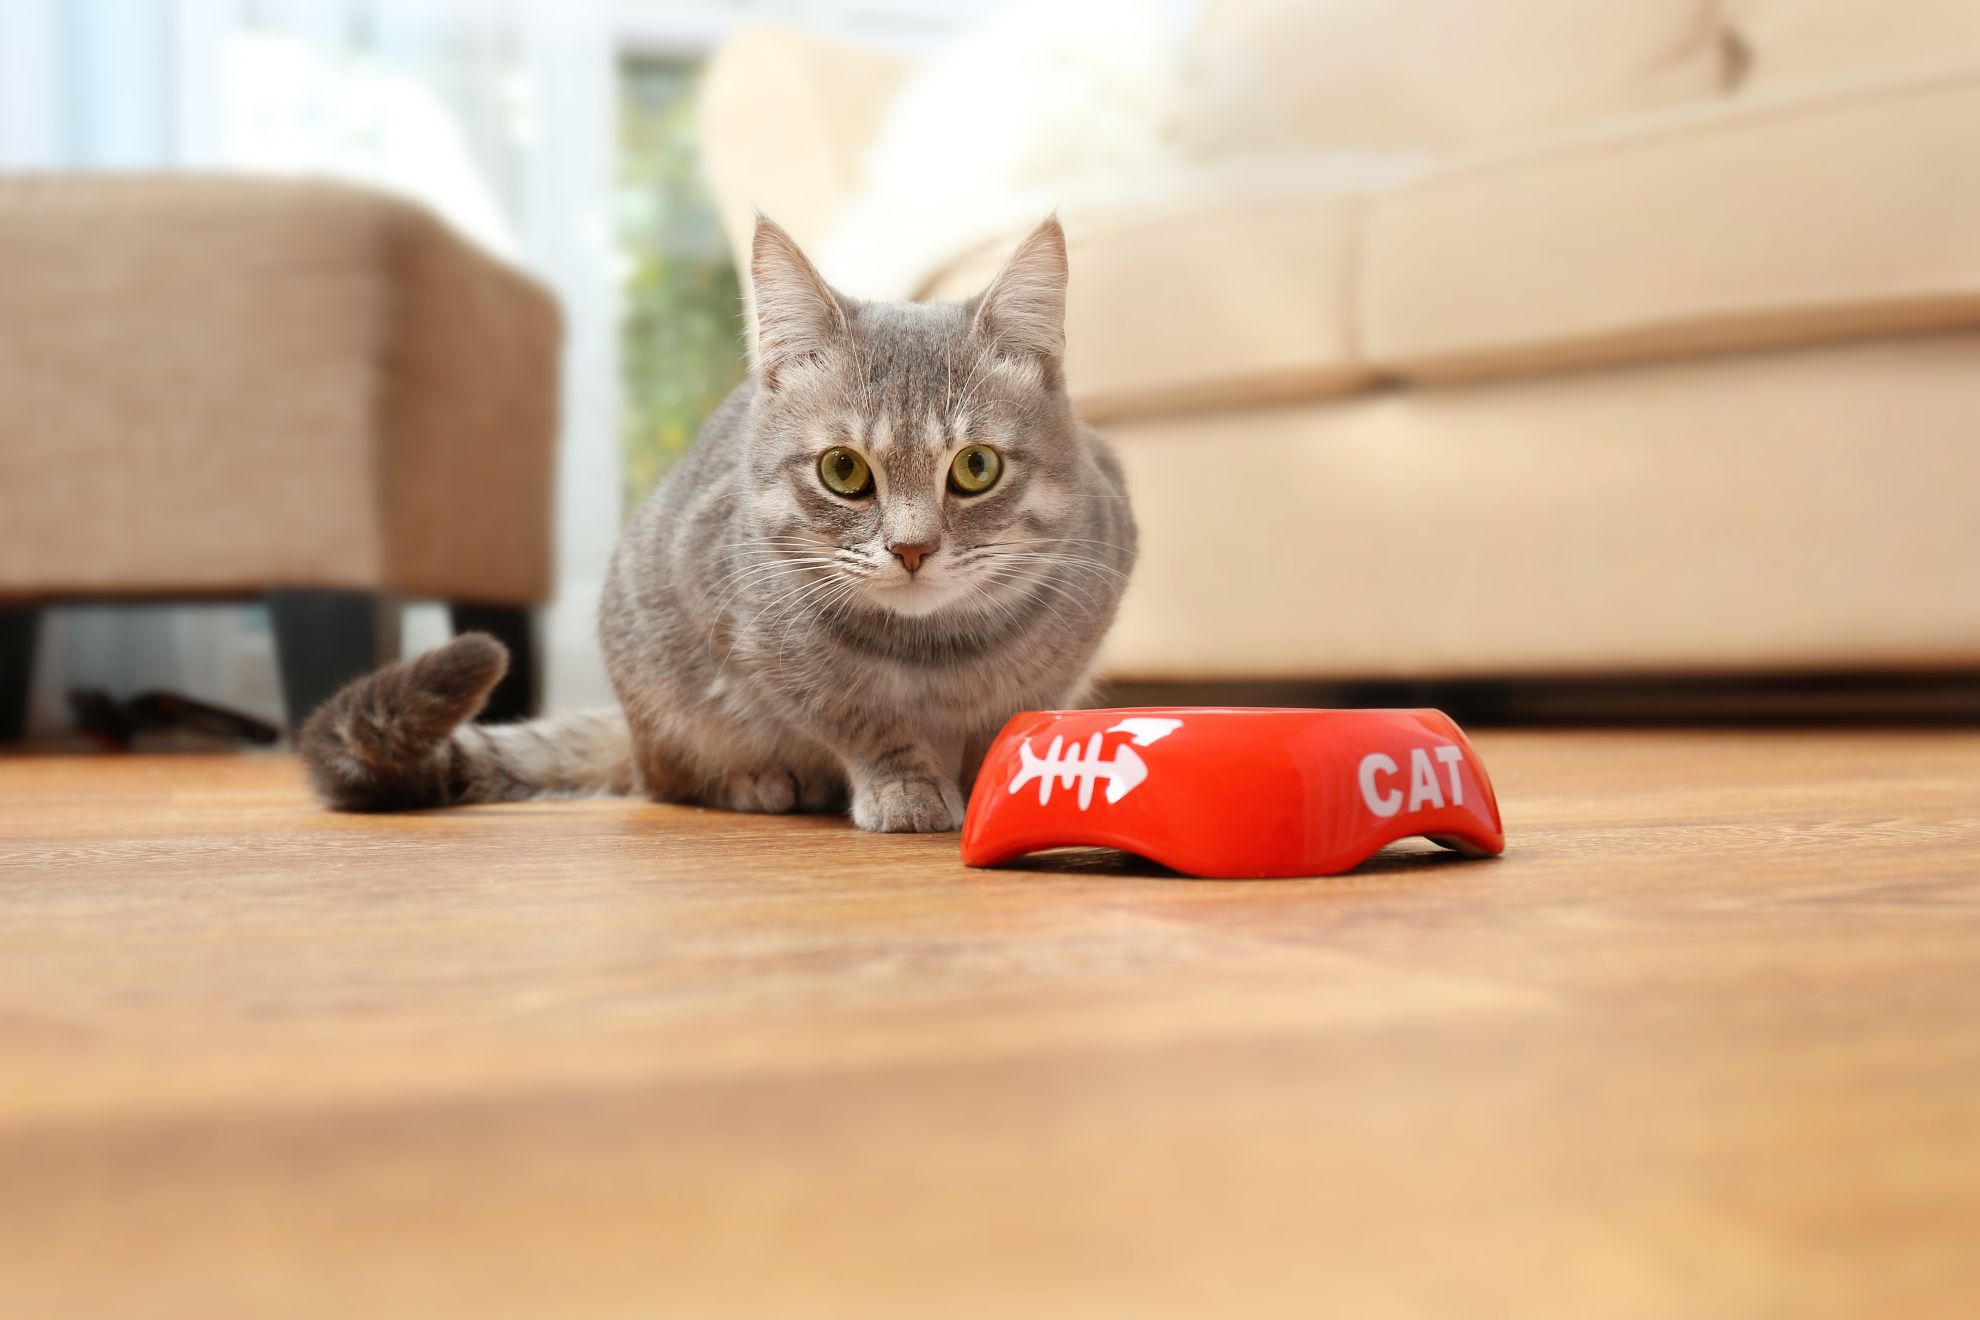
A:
911,555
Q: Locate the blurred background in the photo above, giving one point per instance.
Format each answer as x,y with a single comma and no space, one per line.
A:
1531,356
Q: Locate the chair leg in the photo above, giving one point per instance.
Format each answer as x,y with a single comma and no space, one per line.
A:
520,692
20,625
325,638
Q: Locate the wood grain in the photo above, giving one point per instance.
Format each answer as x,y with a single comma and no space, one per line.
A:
1705,1043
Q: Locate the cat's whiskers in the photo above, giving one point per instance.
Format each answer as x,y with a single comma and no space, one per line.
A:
1025,582
1073,561
770,551
757,575
816,604
1048,582
767,580
1007,615
1097,603
961,407
1048,540
841,566
769,559
804,605
802,590
748,629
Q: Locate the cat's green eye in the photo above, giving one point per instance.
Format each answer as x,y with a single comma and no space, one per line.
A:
975,470
845,473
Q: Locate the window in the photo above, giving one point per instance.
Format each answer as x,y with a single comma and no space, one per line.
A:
681,334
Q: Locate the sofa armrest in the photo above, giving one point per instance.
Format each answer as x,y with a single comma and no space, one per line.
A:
468,404
785,120
214,385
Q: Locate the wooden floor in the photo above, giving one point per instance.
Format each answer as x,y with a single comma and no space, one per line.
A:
1706,1042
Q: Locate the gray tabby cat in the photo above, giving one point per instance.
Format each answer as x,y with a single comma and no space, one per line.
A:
887,541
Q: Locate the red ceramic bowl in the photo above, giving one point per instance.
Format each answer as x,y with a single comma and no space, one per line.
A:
1231,793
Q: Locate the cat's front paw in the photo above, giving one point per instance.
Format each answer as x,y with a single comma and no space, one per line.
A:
908,806
773,791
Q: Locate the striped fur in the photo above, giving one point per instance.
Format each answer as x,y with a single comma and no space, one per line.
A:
399,739
769,650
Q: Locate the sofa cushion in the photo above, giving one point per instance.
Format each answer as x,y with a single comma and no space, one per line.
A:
1416,75
1783,42
1232,299
1794,510
1780,219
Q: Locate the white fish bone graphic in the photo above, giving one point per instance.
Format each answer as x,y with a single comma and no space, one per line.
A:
1146,729
1081,766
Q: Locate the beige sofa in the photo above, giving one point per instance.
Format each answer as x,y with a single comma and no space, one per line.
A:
1670,362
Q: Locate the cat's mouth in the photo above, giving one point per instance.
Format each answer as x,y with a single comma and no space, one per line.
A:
916,594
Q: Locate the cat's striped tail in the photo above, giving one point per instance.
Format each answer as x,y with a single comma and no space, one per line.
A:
401,739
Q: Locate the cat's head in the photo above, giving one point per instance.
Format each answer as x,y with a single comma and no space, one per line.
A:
922,455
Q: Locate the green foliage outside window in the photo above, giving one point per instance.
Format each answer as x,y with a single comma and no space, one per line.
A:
681,338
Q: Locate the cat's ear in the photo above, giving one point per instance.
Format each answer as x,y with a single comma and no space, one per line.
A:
798,316
1022,314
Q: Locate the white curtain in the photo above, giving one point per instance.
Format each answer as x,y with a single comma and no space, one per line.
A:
497,113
